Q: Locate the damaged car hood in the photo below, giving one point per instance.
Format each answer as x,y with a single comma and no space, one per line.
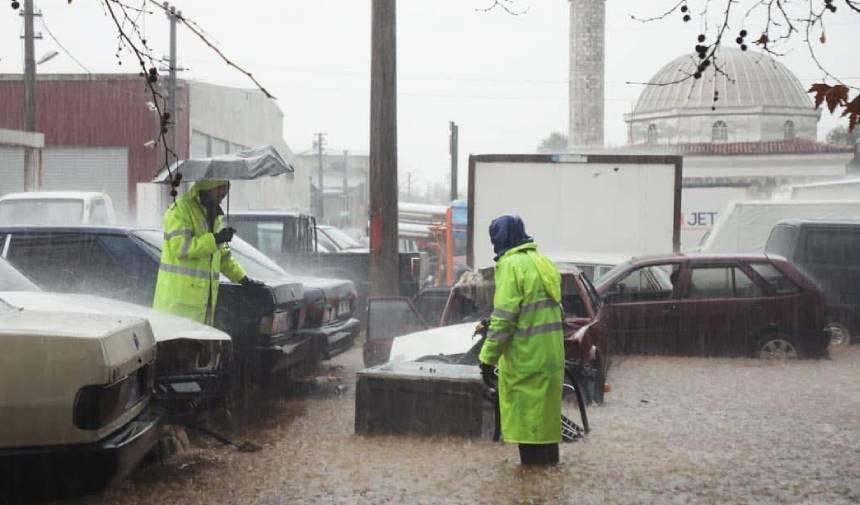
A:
455,339
165,327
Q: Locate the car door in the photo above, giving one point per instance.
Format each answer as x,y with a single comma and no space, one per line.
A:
719,309
641,310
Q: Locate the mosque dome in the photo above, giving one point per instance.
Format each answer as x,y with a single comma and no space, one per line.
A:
753,79
758,100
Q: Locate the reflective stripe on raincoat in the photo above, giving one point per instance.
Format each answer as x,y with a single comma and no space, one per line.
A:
188,275
527,342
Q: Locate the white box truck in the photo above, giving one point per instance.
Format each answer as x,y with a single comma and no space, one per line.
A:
844,189
745,225
621,205
702,208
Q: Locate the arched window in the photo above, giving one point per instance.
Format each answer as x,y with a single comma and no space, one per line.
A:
652,134
788,130
719,132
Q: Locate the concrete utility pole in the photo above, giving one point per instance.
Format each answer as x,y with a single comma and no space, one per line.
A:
384,260
409,185
173,15
32,156
854,165
453,149
319,143
346,218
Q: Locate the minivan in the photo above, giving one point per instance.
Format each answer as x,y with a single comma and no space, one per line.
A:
829,253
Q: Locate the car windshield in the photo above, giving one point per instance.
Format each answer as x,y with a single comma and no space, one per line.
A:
13,280
341,239
256,264
42,211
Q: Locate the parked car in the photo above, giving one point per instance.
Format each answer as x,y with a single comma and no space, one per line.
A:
74,391
265,322
397,332
827,251
713,305
57,208
192,371
593,265
291,240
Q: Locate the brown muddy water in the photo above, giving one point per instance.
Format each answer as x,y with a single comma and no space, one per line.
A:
673,430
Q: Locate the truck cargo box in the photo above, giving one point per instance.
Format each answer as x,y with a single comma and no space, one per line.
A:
619,204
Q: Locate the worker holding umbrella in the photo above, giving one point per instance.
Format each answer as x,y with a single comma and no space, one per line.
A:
196,246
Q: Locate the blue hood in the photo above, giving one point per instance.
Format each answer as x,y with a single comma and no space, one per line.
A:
507,232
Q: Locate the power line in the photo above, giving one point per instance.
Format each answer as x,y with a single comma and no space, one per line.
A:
68,53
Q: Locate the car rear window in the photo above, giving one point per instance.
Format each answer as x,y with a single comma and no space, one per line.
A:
775,278
255,263
41,212
780,240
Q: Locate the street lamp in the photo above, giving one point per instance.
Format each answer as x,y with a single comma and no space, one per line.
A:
47,56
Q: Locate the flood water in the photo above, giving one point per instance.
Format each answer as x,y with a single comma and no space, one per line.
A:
673,430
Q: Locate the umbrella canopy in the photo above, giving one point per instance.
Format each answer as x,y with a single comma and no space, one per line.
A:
248,164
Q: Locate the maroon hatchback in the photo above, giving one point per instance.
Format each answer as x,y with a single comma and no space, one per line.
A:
713,305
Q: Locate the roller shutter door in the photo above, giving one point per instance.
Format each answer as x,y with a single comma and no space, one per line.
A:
11,169
102,169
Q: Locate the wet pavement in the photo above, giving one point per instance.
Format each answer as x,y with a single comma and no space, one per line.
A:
673,430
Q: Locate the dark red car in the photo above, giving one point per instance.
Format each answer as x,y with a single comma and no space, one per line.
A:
400,329
713,305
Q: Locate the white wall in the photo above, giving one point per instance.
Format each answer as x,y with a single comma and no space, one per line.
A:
247,118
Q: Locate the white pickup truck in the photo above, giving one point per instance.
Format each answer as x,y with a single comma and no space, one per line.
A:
57,208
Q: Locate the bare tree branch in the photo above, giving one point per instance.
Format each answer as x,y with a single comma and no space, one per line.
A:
193,27
127,20
506,5
778,19
661,16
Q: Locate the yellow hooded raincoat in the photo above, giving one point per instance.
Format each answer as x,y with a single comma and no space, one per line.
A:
191,262
525,340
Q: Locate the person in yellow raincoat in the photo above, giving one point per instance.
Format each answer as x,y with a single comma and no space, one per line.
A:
525,342
195,252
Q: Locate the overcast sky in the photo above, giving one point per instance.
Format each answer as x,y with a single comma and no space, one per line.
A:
502,78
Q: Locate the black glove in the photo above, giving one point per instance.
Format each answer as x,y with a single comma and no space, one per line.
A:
482,327
225,235
488,374
249,282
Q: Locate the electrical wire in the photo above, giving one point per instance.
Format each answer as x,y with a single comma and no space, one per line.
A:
68,53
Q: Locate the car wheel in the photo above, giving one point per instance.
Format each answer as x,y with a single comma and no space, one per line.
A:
777,348
840,333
